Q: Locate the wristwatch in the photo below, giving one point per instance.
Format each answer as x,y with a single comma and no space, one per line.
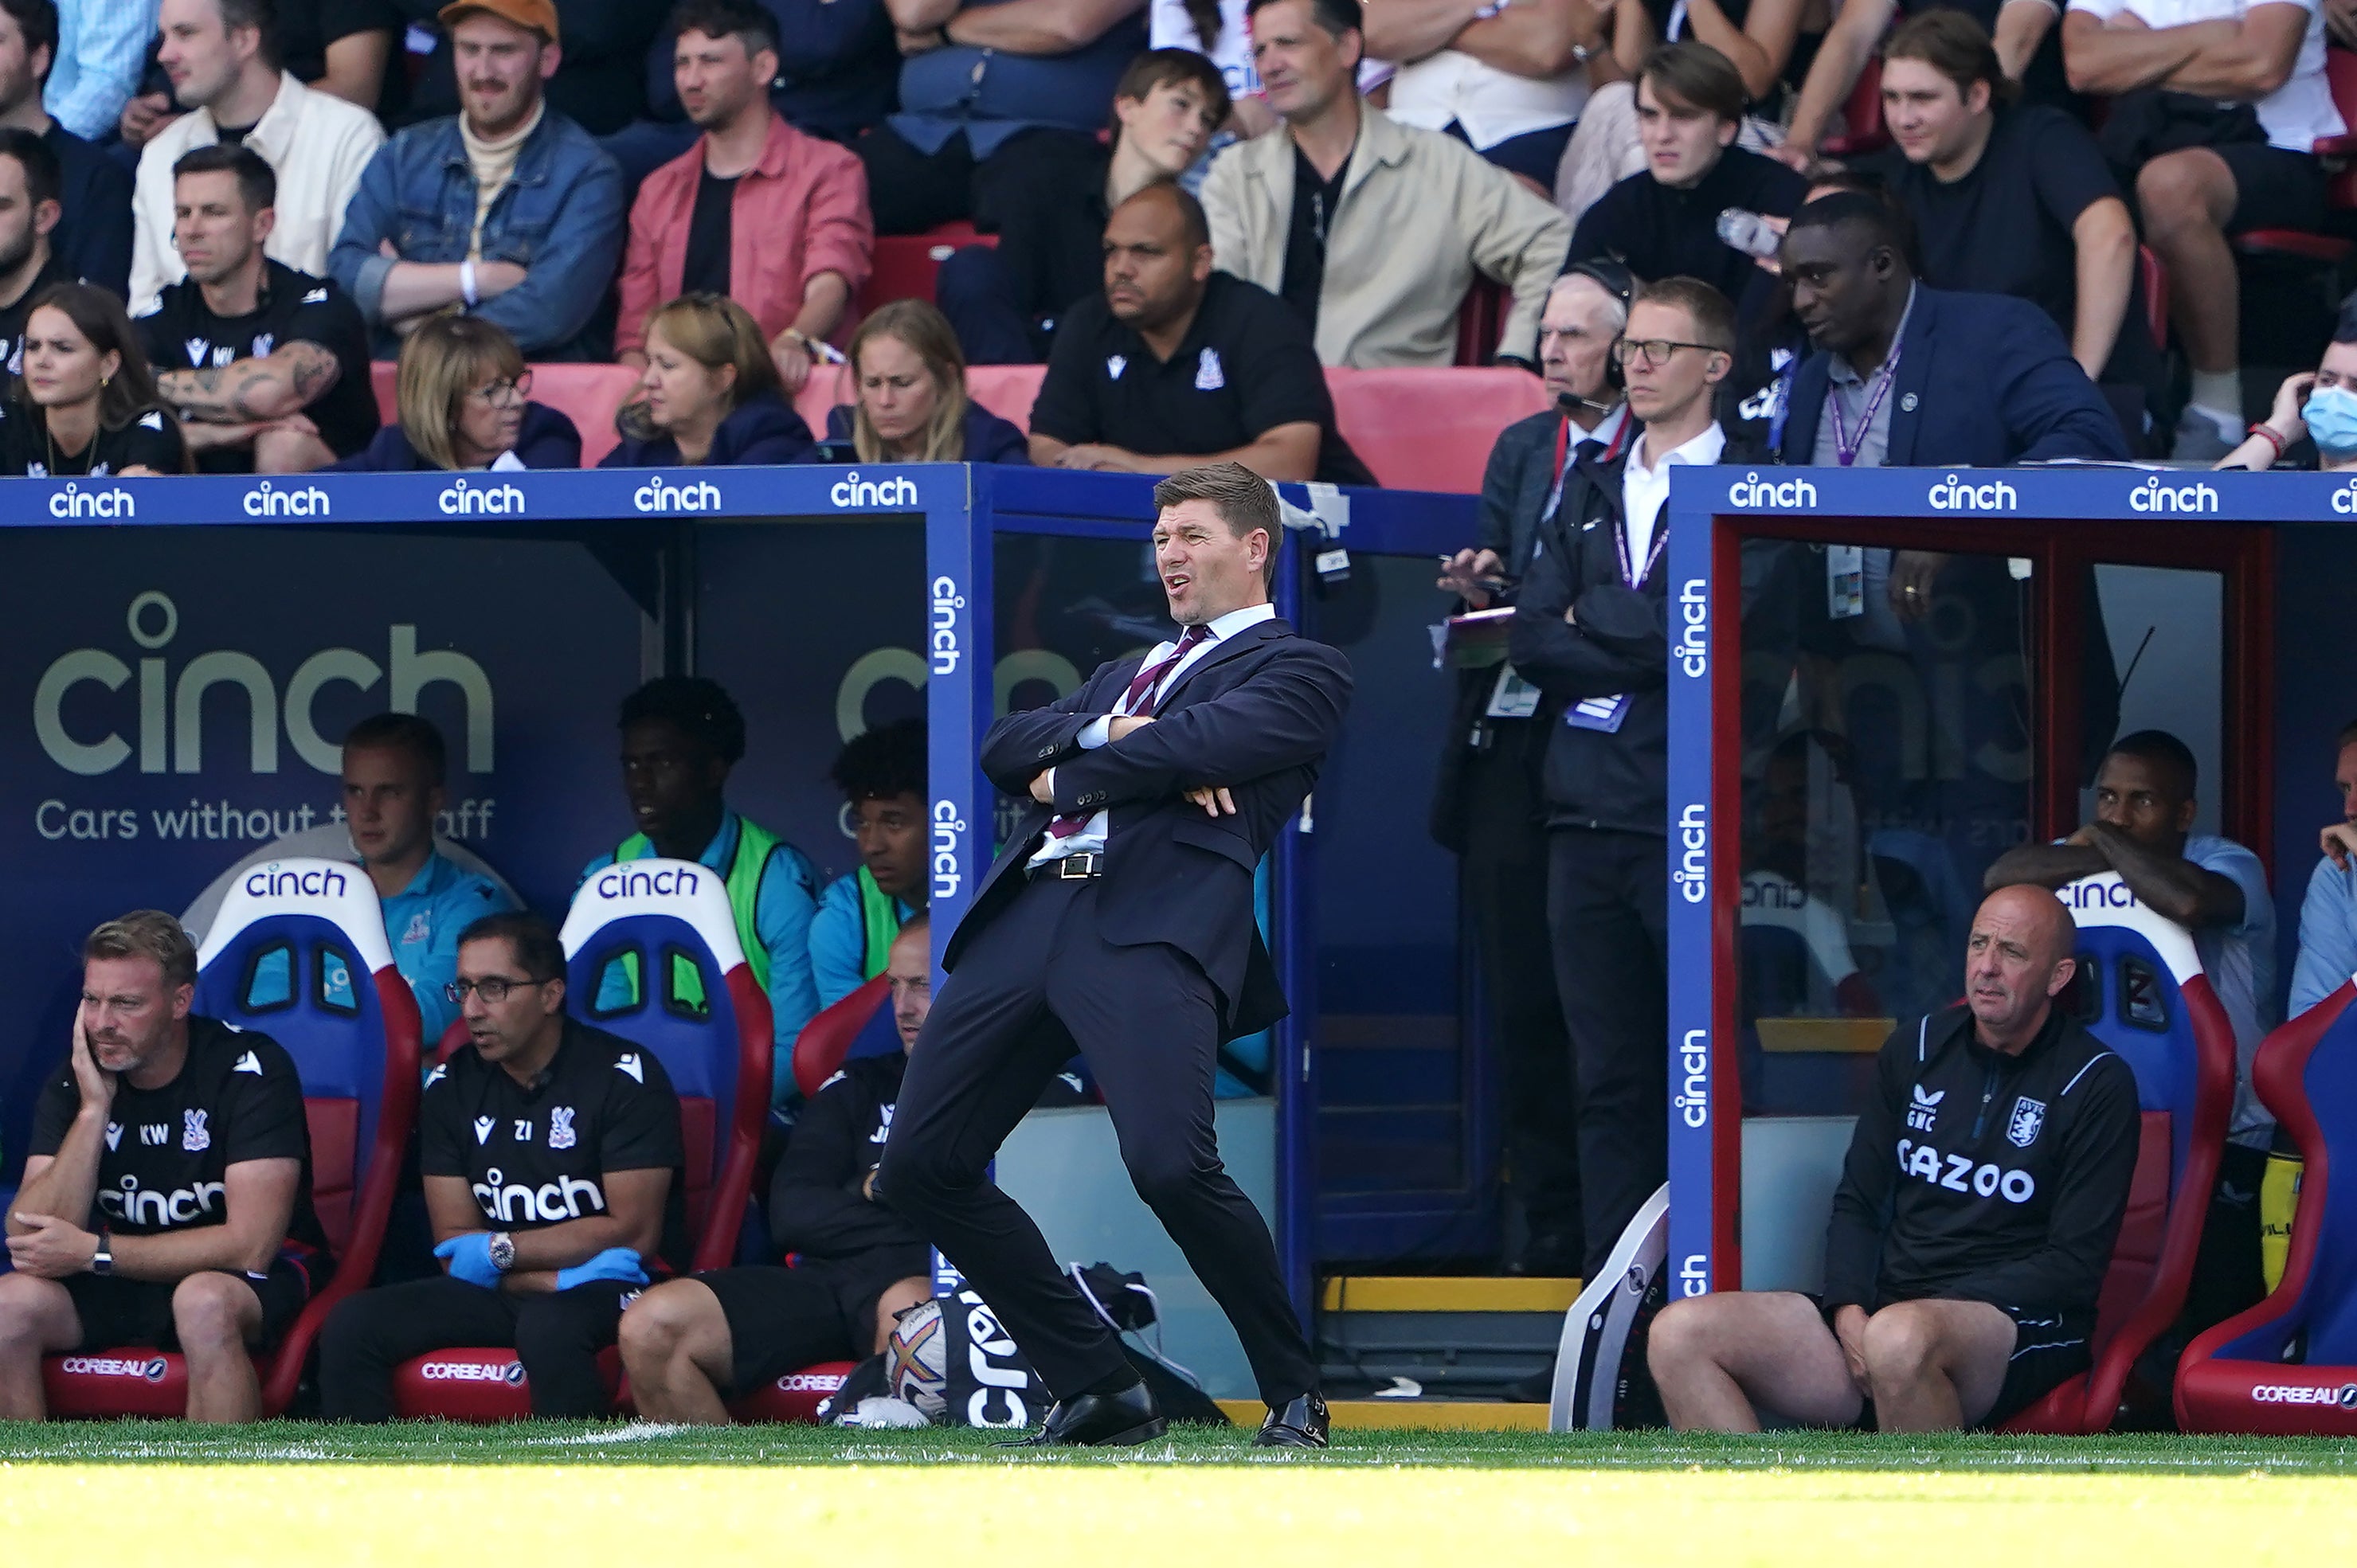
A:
102,1261
503,1251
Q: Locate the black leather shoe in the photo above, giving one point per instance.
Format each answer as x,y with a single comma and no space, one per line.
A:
1300,1424
1105,1421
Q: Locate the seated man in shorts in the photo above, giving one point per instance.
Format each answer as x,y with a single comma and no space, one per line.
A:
1976,1216
168,1188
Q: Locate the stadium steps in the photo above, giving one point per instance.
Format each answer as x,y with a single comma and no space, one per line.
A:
1463,1342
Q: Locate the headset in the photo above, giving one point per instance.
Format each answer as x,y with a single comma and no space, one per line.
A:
1622,283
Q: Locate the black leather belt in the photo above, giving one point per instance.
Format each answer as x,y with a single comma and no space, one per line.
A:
1072,868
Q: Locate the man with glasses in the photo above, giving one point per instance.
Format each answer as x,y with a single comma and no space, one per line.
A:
553,1159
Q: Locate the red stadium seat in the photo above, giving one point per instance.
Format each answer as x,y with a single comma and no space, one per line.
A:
904,264
1479,320
383,374
1430,429
348,1021
793,1397
826,1039
588,395
1862,128
2340,193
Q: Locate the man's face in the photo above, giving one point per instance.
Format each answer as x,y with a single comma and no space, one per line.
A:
1663,390
717,80
21,70
1928,117
389,802
210,226
910,970
1170,126
2344,775
127,1010
199,55
892,838
1682,142
2015,960
1576,339
2146,801
1206,571
507,1027
20,225
1303,68
500,68
1837,272
1152,274
671,778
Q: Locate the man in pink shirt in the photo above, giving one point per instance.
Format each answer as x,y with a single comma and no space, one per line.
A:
755,210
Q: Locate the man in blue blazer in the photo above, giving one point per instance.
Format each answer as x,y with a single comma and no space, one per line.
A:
1119,919
1909,376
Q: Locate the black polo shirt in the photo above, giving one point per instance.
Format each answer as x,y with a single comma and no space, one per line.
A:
1245,366
1662,231
183,334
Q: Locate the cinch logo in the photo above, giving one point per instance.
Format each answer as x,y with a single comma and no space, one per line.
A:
810,1383
171,711
181,1205
1960,1174
75,501
1694,840
2344,499
1753,490
264,501
1694,1060
947,602
559,1199
463,499
947,826
2345,1396
150,1370
623,883
991,1358
272,883
657,496
2154,496
1953,494
1694,630
1766,891
1694,1274
2107,894
853,491
510,1372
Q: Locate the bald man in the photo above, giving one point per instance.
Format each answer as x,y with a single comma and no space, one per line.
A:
1974,1218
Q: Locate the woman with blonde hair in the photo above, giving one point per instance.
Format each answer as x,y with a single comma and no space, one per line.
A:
913,404
710,393
463,394
86,404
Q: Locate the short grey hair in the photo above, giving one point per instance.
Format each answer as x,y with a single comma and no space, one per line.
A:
1616,309
1243,498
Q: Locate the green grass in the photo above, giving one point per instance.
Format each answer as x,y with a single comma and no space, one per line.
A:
578,1443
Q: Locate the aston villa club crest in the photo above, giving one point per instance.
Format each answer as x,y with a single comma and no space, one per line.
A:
2028,1116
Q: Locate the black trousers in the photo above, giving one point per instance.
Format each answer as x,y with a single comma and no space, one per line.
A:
1032,985
1607,909
910,191
556,1335
1505,873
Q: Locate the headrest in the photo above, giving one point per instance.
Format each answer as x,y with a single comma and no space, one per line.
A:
672,889
334,891
2105,901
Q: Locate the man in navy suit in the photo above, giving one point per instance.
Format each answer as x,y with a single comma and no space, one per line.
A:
1119,921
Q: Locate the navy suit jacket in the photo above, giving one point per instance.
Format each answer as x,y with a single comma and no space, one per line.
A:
1255,714
1984,380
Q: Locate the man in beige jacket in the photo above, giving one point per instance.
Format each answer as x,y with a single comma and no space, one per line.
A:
1371,230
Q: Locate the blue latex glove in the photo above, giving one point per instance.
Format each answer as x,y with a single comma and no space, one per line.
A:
619,1264
470,1258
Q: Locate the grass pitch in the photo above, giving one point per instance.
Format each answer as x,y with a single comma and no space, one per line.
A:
303,1495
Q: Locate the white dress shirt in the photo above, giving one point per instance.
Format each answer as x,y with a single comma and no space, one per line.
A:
1098,731
1643,489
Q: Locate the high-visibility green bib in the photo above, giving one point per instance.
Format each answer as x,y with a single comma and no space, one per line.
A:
880,923
742,877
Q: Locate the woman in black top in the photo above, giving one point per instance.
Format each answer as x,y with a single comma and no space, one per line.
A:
913,406
463,398
86,404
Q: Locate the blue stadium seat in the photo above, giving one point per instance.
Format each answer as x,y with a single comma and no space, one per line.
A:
2290,1365
297,952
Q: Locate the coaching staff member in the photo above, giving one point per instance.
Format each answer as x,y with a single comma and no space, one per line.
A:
1119,918
1973,1222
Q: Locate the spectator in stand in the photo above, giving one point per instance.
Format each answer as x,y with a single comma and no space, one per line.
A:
1369,229
86,404
506,209
2014,198
1509,81
2328,917
92,239
987,86
268,367
28,215
100,46
1175,366
1004,300
2216,107
217,53
2319,407
754,210
881,773
603,85
347,48
838,73
711,394
462,400
913,406
1665,222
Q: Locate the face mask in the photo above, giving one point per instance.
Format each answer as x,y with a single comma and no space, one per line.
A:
2330,414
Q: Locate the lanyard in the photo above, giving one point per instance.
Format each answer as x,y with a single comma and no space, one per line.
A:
1562,453
1844,448
1636,579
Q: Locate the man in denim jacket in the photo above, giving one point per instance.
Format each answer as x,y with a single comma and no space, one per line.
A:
508,210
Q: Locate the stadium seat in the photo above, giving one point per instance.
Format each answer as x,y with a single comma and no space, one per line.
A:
2340,193
2143,993
2154,278
708,1023
354,1044
590,395
905,264
1479,320
826,1039
383,374
2288,1366
1421,429
796,1396
1862,128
